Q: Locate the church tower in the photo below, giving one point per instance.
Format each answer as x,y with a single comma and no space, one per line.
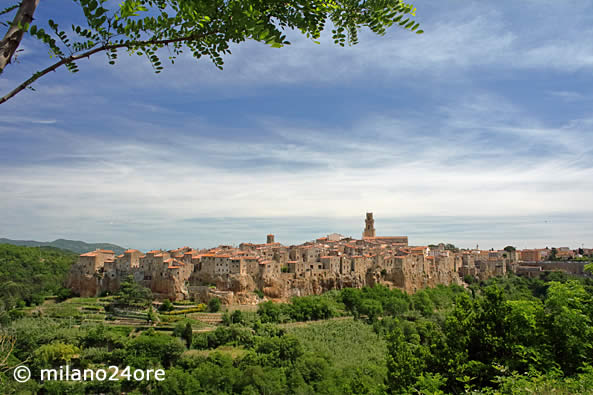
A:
369,229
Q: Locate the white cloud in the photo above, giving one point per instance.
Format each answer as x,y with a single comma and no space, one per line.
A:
87,168
307,172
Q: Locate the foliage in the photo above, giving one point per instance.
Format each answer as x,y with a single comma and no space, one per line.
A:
153,349
28,274
54,354
187,334
132,293
306,308
214,305
205,28
166,306
490,337
515,335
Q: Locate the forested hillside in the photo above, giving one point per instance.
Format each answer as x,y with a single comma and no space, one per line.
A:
28,274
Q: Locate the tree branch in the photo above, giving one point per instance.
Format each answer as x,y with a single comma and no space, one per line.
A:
88,54
14,35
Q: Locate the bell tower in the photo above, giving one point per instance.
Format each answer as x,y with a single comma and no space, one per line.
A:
369,228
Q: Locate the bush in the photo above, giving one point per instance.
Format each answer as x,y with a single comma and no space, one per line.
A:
214,305
166,306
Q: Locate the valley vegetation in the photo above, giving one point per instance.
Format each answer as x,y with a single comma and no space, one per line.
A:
507,335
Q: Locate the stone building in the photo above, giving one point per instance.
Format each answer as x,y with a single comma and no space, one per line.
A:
280,272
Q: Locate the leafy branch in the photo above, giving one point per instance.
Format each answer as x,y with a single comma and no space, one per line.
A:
204,27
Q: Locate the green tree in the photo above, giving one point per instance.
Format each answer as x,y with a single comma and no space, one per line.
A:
54,354
237,317
151,316
130,292
166,306
151,349
569,325
214,305
27,274
187,334
404,361
201,27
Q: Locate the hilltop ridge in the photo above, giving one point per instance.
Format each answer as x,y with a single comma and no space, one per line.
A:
76,246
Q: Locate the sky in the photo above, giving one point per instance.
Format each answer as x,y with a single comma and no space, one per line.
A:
477,132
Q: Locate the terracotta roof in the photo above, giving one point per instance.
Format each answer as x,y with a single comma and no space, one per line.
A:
130,251
93,253
173,267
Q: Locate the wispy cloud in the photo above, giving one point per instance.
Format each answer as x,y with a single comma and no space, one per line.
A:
484,116
309,172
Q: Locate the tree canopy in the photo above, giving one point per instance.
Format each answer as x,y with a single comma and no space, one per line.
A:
201,27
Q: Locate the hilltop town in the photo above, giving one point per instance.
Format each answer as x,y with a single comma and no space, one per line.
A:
237,275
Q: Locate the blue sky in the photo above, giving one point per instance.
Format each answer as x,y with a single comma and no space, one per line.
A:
477,132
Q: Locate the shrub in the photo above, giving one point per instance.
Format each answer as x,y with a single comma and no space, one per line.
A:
214,305
166,306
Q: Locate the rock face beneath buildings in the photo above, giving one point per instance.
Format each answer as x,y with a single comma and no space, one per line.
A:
82,284
287,287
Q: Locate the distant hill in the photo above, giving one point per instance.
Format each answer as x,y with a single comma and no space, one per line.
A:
79,247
